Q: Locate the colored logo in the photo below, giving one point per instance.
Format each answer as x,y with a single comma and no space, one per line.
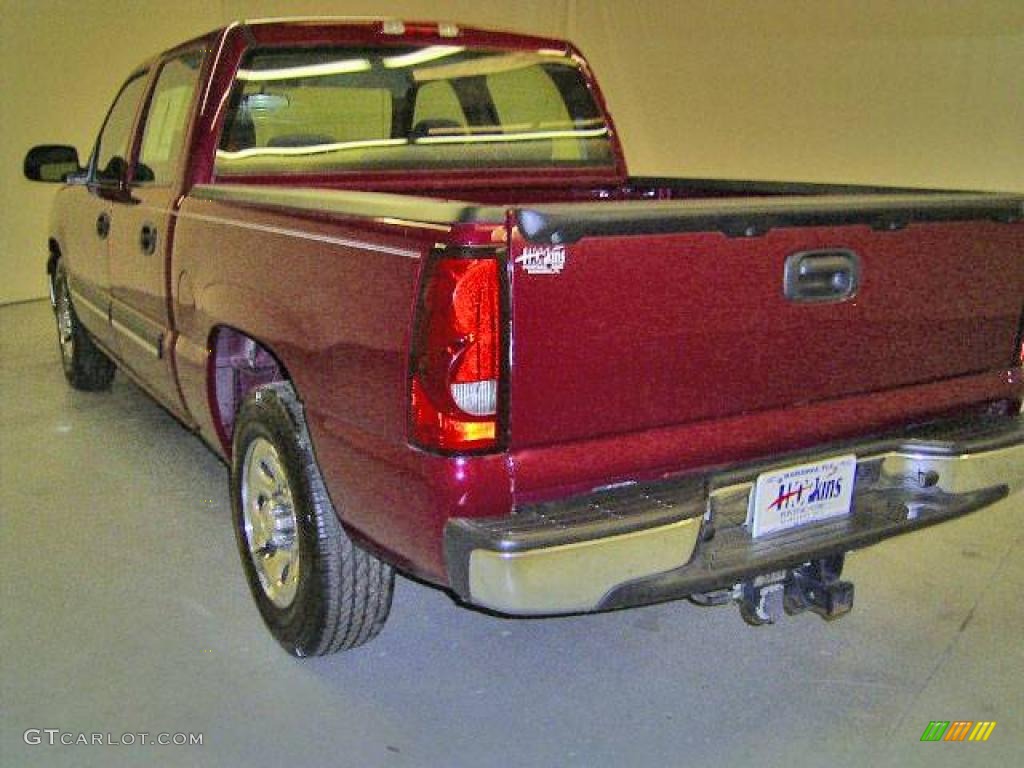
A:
820,489
542,260
958,730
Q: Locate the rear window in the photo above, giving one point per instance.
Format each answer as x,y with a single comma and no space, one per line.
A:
325,110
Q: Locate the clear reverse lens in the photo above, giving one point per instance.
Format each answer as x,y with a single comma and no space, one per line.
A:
477,398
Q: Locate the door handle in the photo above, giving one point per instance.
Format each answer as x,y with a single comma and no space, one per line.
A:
826,275
147,239
103,226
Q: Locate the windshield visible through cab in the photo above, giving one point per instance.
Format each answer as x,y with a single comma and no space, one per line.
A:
326,110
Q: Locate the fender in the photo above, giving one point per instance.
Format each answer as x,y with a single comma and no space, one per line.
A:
232,306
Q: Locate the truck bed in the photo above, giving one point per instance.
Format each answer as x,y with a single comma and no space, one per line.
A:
665,341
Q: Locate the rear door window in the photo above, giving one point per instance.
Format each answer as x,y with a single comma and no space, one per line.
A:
167,119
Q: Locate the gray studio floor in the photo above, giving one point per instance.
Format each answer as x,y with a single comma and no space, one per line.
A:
124,611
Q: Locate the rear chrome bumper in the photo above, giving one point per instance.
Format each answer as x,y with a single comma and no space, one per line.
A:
647,543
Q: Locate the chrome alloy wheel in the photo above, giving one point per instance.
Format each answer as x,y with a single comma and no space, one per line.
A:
271,528
65,323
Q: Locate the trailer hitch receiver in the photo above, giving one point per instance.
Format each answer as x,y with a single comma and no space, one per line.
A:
814,586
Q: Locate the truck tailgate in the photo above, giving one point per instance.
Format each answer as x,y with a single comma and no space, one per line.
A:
632,316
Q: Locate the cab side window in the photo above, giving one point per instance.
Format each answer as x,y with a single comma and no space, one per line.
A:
112,146
167,119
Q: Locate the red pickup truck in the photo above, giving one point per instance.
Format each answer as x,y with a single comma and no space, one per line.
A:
398,277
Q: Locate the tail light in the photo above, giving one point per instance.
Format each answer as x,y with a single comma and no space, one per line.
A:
457,353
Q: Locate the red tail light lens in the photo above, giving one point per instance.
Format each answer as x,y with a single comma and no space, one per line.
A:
456,356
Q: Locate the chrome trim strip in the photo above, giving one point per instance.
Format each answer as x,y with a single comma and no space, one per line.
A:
79,301
151,347
137,328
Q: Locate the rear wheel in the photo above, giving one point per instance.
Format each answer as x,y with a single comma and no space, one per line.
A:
318,592
86,367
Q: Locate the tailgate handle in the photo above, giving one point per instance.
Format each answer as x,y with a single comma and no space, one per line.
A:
826,275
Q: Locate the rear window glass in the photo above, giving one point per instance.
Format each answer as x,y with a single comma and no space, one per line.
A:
331,110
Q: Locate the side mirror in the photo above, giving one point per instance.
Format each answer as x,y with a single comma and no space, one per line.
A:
51,162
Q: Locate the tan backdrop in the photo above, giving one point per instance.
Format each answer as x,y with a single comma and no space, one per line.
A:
911,92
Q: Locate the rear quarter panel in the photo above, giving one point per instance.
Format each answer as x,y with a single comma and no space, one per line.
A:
333,301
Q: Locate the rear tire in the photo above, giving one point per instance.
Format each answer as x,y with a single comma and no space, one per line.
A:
317,592
86,367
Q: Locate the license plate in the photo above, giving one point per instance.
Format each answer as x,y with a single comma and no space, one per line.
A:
794,496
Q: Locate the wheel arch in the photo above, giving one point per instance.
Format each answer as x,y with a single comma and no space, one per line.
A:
239,362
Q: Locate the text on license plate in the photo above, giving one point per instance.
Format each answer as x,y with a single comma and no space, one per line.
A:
795,496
